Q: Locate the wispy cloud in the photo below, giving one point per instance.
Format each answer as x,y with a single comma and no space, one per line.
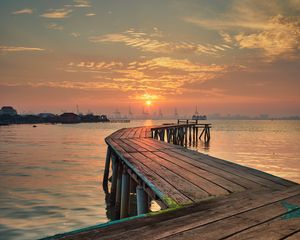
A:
81,3
224,24
90,14
153,42
54,26
160,76
5,49
280,40
75,34
24,11
57,13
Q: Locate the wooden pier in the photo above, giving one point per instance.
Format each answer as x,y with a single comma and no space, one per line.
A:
201,197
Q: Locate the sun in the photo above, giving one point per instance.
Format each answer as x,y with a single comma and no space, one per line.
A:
148,102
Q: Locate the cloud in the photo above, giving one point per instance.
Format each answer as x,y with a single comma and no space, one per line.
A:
24,11
224,24
160,76
90,14
5,49
75,34
55,26
57,13
153,42
81,3
282,39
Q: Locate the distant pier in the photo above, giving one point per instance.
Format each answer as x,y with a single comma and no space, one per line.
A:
200,196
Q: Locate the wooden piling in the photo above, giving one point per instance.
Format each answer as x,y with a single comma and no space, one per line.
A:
115,166
118,191
125,194
106,170
142,200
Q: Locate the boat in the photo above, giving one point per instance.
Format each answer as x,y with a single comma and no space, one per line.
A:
196,116
199,117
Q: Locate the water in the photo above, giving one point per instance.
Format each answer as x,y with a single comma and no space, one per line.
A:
51,176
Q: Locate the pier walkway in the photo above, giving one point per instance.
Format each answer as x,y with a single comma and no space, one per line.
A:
201,197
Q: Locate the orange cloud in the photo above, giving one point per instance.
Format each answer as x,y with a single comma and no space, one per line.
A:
57,13
19,49
280,40
24,11
153,43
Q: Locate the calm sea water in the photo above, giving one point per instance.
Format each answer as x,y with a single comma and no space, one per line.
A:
51,176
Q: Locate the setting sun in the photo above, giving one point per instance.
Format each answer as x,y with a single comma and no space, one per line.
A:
148,102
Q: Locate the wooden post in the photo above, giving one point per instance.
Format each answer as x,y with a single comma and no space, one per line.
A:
115,165
190,135
142,200
193,134
118,191
106,170
125,194
185,136
197,135
202,133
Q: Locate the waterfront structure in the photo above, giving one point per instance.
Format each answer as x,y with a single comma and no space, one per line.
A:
200,196
69,117
8,110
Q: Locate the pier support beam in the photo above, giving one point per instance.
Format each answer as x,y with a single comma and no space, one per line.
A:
106,170
115,167
142,200
118,191
125,194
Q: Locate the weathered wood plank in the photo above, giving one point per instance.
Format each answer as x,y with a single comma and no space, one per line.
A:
120,143
248,225
216,170
170,223
275,229
234,169
215,179
175,181
203,184
141,143
160,144
293,236
137,147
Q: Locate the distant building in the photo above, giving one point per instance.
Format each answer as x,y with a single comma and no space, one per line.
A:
103,118
8,110
69,118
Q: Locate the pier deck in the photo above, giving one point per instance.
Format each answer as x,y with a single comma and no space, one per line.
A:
206,197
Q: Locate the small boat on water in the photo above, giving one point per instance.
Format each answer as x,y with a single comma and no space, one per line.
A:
199,117
119,120
196,116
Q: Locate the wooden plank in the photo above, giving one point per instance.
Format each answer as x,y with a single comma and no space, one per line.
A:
160,144
138,132
234,169
120,143
293,236
129,132
137,147
232,177
170,223
150,176
187,188
220,181
205,185
247,225
117,134
141,143
136,159
275,229
256,172
218,210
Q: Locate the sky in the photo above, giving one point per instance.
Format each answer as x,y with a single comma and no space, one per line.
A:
227,57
